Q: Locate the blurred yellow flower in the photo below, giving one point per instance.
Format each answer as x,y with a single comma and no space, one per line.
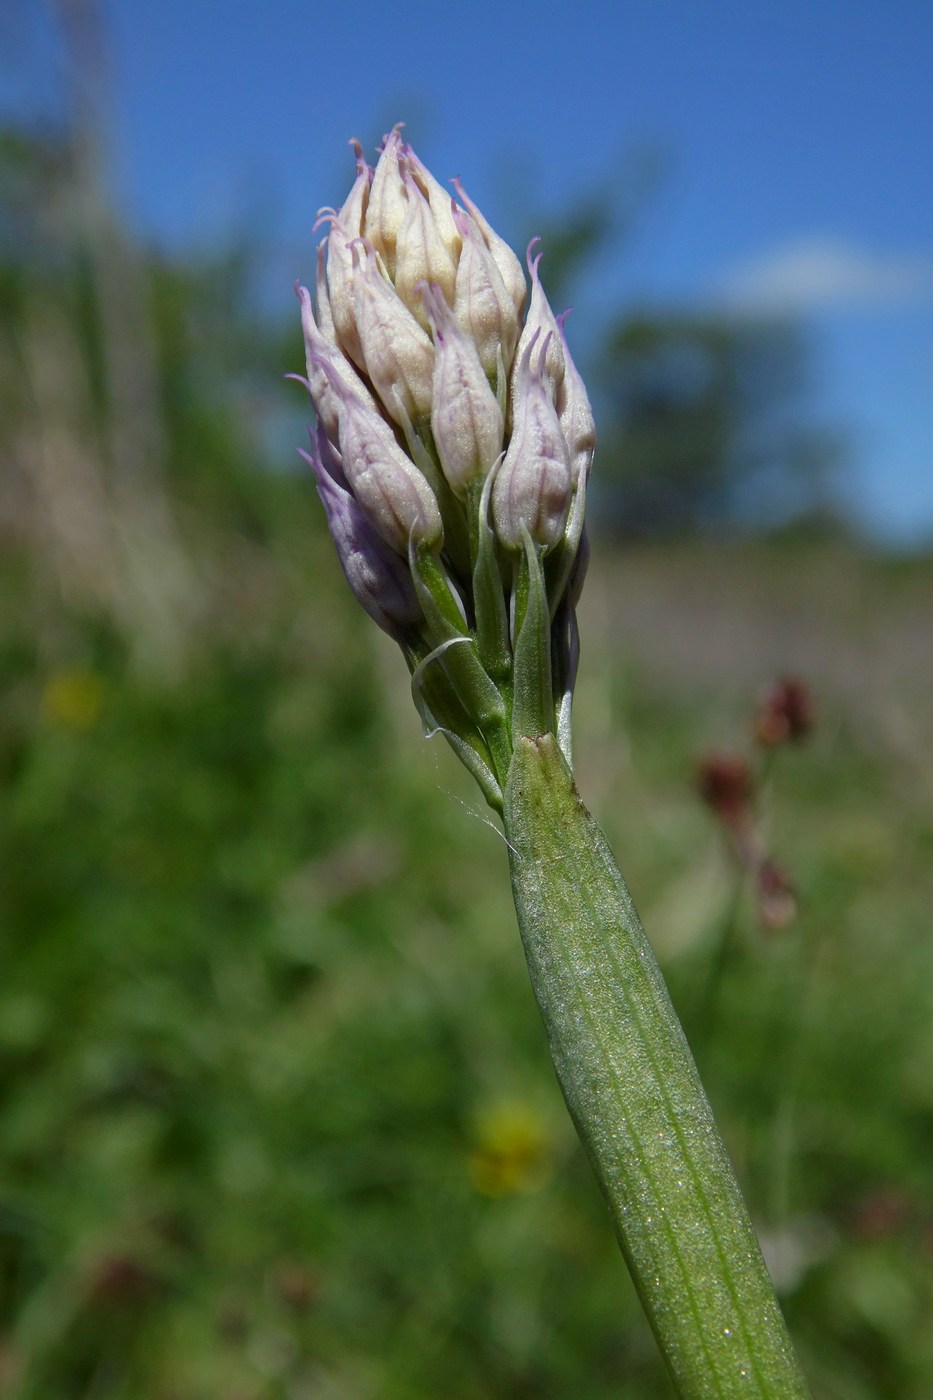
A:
510,1151
73,698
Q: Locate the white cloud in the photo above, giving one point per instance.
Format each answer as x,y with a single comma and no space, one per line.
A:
815,274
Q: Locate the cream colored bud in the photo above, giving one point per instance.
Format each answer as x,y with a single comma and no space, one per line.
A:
394,495
465,418
541,323
345,226
421,254
340,291
323,315
319,351
576,416
482,302
398,355
353,210
440,201
388,200
533,487
510,269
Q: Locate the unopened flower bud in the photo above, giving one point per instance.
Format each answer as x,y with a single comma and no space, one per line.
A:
323,316
379,578
394,495
320,384
421,254
398,355
576,416
439,200
510,269
388,201
465,417
482,302
533,488
345,226
541,323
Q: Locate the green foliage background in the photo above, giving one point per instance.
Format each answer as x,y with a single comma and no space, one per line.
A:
277,1116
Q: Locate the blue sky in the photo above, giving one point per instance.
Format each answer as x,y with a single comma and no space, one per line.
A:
795,140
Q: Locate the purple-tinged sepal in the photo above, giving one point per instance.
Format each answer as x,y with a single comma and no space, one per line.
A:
346,225
482,302
322,312
394,495
510,269
542,324
319,352
388,199
576,416
532,491
421,253
397,353
379,578
465,416
439,200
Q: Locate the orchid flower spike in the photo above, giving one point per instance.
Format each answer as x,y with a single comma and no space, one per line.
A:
452,446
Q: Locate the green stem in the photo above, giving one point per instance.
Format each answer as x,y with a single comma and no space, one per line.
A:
632,1088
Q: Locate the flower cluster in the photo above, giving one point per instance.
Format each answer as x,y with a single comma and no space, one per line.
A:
452,448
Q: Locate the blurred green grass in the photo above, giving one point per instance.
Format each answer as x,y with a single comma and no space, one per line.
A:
278,1118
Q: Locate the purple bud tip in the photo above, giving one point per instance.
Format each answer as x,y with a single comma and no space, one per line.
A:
308,323
394,136
462,221
529,349
533,266
361,163
300,379
561,319
324,216
467,200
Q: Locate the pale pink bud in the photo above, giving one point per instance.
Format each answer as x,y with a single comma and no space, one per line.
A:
439,200
353,210
510,268
575,414
541,322
345,226
421,254
388,200
399,356
482,302
318,352
533,487
465,418
394,495
324,317
379,578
